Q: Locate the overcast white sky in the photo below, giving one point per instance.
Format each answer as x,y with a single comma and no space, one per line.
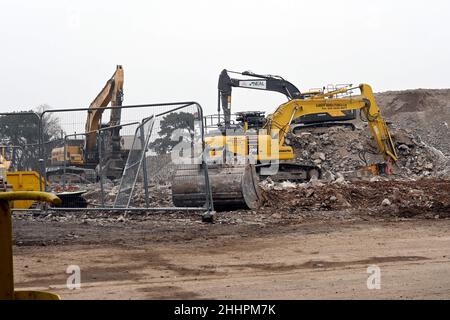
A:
62,52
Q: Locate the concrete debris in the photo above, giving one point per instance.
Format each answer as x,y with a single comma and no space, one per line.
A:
340,179
267,184
421,198
424,112
319,156
315,183
328,176
342,150
288,185
309,193
159,195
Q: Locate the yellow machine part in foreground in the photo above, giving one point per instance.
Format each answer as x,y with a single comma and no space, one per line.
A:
7,291
23,181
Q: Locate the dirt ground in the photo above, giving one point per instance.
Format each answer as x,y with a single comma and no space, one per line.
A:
244,255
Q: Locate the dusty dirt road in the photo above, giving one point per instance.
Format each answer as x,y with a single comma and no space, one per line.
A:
184,259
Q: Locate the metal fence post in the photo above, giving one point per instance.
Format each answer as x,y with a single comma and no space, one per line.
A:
65,161
100,166
144,165
208,191
41,155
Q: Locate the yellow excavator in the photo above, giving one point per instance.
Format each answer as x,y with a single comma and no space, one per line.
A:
82,156
238,156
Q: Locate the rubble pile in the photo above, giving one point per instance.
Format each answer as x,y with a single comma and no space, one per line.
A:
340,150
419,122
94,193
426,112
160,171
160,168
429,198
160,195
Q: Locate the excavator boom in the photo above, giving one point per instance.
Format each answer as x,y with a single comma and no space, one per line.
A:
83,161
112,93
274,84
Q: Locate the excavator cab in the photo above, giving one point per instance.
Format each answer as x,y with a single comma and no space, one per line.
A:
251,119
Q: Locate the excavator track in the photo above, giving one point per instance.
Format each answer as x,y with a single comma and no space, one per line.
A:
71,175
233,187
290,171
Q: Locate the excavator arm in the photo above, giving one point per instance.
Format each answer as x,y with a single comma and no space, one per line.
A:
273,84
258,82
278,123
111,93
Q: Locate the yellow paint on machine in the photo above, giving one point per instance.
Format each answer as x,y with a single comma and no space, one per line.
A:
7,291
23,181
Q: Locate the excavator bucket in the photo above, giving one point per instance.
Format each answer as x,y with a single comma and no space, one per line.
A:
232,187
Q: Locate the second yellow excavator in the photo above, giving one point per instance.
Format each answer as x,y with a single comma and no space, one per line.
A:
237,156
82,157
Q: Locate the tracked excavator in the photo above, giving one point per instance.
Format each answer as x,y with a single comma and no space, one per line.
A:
111,93
81,157
238,156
